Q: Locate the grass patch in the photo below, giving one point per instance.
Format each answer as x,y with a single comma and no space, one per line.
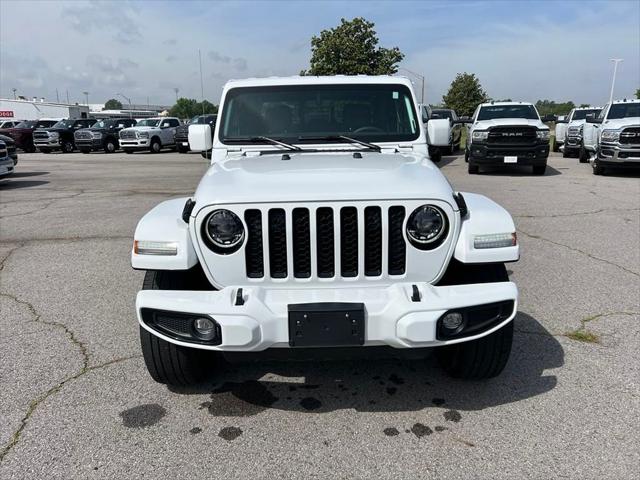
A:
585,336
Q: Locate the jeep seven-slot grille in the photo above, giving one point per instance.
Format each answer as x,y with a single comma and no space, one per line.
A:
630,136
320,252
512,135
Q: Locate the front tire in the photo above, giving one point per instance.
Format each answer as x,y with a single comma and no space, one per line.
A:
156,146
583,155
473,169
110,146
166,362
539,169
485,357
597,168
67,147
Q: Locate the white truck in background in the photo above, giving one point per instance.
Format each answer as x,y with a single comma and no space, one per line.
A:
613,138
569,130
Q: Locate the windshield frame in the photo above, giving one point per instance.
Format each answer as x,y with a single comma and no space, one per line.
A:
625,105
141,123
404,91
529,106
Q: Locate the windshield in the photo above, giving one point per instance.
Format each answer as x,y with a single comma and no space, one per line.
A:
148,122
508,111
202,119
64,124
104,124
624,110
302,113
444,114
582,114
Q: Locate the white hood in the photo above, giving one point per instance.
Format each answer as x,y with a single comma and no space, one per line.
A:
325,176
508,122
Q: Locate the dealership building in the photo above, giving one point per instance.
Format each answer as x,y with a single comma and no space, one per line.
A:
38,108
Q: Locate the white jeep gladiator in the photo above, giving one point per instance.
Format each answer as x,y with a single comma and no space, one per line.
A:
322,223
613,138
151,134
569,130
507,133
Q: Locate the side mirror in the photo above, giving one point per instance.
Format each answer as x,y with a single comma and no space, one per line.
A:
593,120
200,139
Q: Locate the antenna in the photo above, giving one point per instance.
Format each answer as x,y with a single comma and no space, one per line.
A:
615,61
201,82
14,90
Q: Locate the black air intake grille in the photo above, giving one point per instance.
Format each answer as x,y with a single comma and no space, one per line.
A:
512,135
277,243
630,136
372,241
349,241
326,249
397,245
301,243
254,255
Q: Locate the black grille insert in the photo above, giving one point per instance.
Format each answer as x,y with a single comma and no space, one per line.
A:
372,241
512,135
254,255
277,243
397,245
301,243
630,136
349,241
326,249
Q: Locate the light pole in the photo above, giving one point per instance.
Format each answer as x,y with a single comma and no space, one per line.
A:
419,76
128,100
176,89
615,61
86,96
14,90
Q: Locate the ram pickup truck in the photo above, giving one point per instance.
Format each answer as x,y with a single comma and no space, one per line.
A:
23,132
103,135
182,132
12,150
60,135
613,138
569,130
321,224
507,133
151,134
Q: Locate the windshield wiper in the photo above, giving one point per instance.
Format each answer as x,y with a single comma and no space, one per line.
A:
262,139
370,146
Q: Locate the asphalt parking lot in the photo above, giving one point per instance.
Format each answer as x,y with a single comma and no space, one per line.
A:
76,400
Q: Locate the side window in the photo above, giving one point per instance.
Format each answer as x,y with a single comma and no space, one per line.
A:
603,112
78,124
173,122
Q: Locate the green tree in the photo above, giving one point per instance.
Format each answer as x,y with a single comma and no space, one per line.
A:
550,107
465,94
351,48
638,93
113,104
190,107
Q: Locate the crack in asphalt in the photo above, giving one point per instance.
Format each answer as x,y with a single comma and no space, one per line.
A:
592,212
573,249
46,205
15,438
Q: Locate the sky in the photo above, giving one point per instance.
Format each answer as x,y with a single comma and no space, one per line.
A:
523,50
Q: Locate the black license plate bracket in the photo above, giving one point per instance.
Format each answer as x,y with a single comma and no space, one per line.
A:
326,324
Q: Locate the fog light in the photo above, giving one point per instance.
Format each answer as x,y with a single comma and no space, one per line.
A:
495,240
452,321
204,328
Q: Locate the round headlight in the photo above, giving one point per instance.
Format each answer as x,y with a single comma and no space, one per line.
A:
426,225
224,229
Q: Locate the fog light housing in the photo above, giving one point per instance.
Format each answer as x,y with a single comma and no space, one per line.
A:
453,321
204,328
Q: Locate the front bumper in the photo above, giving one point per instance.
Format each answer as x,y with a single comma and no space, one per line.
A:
392,317
6,167
618,154
139,143
48,143
93,144
572,144
494,155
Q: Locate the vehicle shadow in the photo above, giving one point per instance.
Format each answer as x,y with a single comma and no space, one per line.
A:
28,174
517,171
383,385
9,184
622,172
446,160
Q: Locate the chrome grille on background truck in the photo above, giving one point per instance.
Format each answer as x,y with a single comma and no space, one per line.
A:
41,135
630,136
316,247
128,134
82,135
512,135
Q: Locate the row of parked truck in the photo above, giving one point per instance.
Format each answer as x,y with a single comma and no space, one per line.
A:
109,135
